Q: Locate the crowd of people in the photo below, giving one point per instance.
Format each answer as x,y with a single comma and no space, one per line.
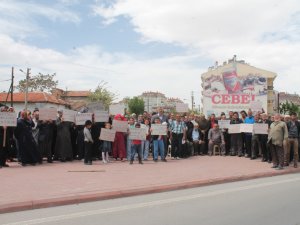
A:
34,141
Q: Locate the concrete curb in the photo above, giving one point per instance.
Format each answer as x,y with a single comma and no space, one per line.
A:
76,199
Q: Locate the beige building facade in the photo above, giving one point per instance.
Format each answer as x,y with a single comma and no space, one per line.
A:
236,86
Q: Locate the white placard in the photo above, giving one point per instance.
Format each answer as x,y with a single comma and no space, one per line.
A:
159,129
69,115
101,116
246,128
224,124
260,128
107,135
137,134
95,106
256,106
182,107
116,109
8,119
120,126
234,129
82,117
47,114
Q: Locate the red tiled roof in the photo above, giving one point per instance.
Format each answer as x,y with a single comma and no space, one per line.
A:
77,93
36,97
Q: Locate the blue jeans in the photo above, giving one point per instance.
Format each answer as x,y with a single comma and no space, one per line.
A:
136,149
158,145
128,148
145,149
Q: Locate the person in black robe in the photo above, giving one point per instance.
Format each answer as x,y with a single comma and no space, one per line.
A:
63,146
46,130
27,147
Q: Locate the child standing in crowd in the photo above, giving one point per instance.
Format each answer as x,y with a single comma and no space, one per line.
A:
106,147
136,146
88,143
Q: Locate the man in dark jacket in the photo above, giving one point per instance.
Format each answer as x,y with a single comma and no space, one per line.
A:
293,134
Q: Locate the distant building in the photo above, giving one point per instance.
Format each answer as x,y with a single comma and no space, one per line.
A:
35,100
153,100
283,97
76,99
234,85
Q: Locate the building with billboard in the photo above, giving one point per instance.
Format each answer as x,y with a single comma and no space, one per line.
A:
236,86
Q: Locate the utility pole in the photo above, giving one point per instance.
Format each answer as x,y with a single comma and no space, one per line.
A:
192,95
26,88
12,88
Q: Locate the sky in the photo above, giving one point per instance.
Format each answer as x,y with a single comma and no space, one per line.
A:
147,45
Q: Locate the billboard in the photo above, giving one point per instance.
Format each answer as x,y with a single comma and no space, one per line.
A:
230,91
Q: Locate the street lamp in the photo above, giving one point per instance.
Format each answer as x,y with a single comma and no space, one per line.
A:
26,87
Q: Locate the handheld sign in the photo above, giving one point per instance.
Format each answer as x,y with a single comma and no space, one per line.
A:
107,135
8,119
246,128
234,129
82,117
159,129
224,124
47,114
101,116
69,115
120,126
137,134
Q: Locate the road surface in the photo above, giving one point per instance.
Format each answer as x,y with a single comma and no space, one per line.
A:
266,201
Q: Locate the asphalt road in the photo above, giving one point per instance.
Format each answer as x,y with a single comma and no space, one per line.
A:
267,201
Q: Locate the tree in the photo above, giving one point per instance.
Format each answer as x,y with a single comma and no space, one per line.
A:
102,94
136,105
38,82
289,107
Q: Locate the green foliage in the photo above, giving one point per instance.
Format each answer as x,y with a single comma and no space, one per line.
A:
136,105
102,94
38,82
289,107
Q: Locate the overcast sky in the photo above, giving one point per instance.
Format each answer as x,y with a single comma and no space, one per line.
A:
147,45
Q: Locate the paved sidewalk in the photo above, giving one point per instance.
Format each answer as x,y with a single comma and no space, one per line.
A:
46,185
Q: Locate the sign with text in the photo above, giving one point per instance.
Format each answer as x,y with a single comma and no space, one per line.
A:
95,106
82,117
107,135
47,114
224,124
158,129
116,109
120,126
260,128
8,119
101,116
182,107
137,134
246,128
234,129
69,115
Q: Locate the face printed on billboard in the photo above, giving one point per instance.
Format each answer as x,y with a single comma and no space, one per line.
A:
229,91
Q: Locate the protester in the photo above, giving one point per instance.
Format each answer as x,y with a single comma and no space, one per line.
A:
106,146
88,143
278,133
136,147
177,136
293,135
158,144
119,150
215,137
